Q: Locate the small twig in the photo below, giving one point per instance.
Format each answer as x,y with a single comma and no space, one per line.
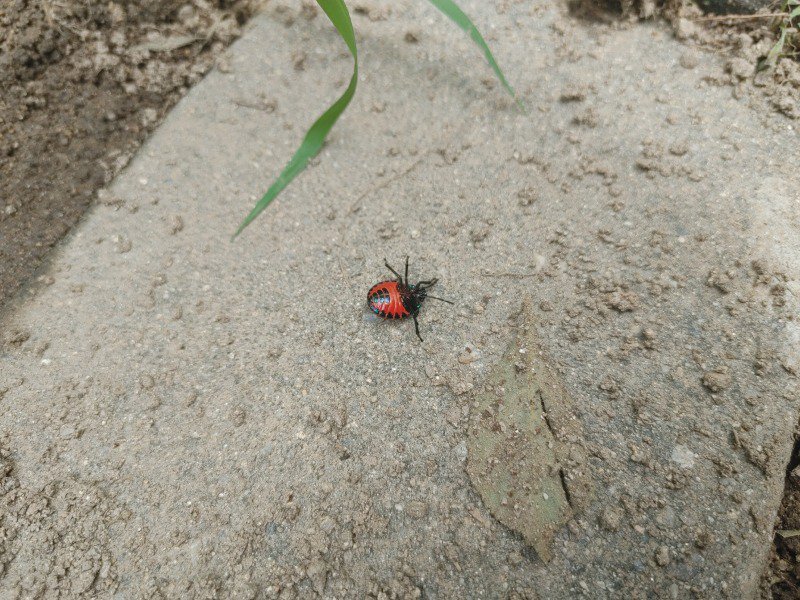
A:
389,180
788,533
739,17
267,107
514,275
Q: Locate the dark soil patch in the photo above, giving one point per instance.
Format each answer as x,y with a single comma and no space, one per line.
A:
82,82
784,581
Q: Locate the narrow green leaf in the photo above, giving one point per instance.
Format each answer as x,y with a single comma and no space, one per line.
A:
315,137
455,14
775,51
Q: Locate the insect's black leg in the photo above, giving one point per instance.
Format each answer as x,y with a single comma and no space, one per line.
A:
392,270
427,284
406,281
416,326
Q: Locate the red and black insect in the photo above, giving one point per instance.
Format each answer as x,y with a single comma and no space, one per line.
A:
397,299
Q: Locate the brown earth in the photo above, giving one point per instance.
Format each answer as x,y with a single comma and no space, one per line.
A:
784,573
82,82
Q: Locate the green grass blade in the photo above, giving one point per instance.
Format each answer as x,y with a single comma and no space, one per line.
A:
455,14
315,137
774,53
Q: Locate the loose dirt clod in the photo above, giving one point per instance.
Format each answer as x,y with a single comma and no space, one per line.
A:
717,380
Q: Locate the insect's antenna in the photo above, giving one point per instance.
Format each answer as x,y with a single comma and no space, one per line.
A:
442,299
426,284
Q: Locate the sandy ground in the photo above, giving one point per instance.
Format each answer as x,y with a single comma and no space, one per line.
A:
187,417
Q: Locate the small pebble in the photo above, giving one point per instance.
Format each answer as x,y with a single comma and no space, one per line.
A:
68,432
175,224
469,355
610,518
122,244
689,59
527,196
679,148
718,380
741,68
238,416
416,509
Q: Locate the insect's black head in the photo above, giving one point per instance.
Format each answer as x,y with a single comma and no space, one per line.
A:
413,298
420,293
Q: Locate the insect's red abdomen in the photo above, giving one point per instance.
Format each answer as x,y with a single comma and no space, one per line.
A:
385,299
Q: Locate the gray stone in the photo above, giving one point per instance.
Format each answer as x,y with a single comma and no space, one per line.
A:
195,491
